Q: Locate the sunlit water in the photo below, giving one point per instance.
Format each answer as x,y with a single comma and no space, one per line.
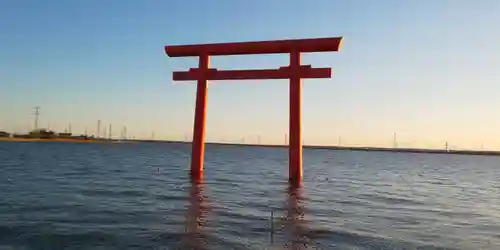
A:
138,196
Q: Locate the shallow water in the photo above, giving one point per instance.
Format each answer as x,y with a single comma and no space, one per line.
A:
138,196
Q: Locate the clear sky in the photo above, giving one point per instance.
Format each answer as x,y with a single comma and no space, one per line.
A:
427,70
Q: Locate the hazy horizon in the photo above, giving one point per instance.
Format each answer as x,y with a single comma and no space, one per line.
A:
424,70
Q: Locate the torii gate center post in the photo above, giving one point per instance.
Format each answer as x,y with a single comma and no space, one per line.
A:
294,72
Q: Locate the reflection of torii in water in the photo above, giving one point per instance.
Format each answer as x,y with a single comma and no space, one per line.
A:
196,213
295,229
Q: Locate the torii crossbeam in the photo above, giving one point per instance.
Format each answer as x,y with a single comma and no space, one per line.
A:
295,72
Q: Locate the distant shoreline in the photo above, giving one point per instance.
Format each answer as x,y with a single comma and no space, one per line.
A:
346,148
17,139
343,148
379,149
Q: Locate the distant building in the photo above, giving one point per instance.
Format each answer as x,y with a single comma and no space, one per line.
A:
4,134
41,133
65,134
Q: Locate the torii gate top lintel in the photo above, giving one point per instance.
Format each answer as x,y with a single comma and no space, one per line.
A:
328,44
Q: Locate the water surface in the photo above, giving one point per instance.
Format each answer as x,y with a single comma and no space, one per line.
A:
56,195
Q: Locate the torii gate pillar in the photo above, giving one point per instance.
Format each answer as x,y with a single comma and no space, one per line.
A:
198,144
294,72
295,121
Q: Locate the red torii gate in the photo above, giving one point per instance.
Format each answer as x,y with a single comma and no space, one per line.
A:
295,72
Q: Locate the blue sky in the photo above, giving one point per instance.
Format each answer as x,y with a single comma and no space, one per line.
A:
422,69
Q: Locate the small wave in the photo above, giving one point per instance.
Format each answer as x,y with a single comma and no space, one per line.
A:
391,199
114,193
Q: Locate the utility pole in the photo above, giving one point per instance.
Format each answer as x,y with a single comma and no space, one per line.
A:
37,114
109,133
446,146
69,128
98,128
